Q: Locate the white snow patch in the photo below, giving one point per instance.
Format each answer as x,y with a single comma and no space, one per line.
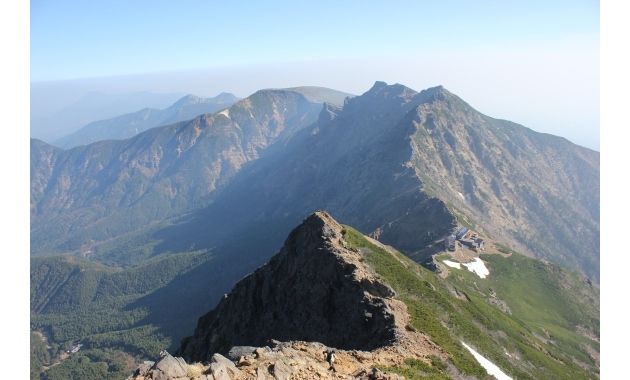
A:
452,264
489,366
478,267
225,112
461,195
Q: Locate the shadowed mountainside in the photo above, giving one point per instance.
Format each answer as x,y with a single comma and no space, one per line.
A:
95,192
407,167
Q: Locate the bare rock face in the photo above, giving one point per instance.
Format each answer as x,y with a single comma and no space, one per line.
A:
313,290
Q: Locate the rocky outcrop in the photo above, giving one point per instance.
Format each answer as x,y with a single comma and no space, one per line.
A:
169,367
285,361
315,289
315,295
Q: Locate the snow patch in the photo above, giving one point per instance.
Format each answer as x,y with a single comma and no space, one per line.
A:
461,195
489,366
452,264
225,112
478,267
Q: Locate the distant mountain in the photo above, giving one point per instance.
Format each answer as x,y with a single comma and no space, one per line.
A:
322,94
129,125
407,167
106,189
52,119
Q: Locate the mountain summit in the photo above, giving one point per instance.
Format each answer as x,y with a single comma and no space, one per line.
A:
315,289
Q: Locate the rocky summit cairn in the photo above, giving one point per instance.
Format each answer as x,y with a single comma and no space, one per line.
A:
316,295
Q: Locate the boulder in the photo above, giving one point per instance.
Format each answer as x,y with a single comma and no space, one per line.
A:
169,367
223,368
237,351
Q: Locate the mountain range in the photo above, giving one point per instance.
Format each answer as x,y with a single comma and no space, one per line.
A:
108,188
404,166
58,110
129,125
178,213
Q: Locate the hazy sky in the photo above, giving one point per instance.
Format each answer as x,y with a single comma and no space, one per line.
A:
533,62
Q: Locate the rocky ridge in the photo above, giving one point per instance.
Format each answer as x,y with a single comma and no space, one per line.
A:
317,294
407,167
537,192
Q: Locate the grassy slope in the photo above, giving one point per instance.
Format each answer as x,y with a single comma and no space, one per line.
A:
550,301
448,320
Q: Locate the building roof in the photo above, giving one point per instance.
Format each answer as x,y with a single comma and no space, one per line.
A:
462,231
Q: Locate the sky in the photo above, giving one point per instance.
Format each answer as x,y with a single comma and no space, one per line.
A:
533,62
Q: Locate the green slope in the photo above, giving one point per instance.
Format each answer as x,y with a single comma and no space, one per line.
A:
540,296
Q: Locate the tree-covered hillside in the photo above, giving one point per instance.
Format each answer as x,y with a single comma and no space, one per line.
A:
119,315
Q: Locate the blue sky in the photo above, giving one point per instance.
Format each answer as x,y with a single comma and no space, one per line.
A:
533,62
74,39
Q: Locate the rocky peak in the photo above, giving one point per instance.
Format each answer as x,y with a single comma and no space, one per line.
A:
315,289
383,90
439,94
434,93
317,295
381,105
